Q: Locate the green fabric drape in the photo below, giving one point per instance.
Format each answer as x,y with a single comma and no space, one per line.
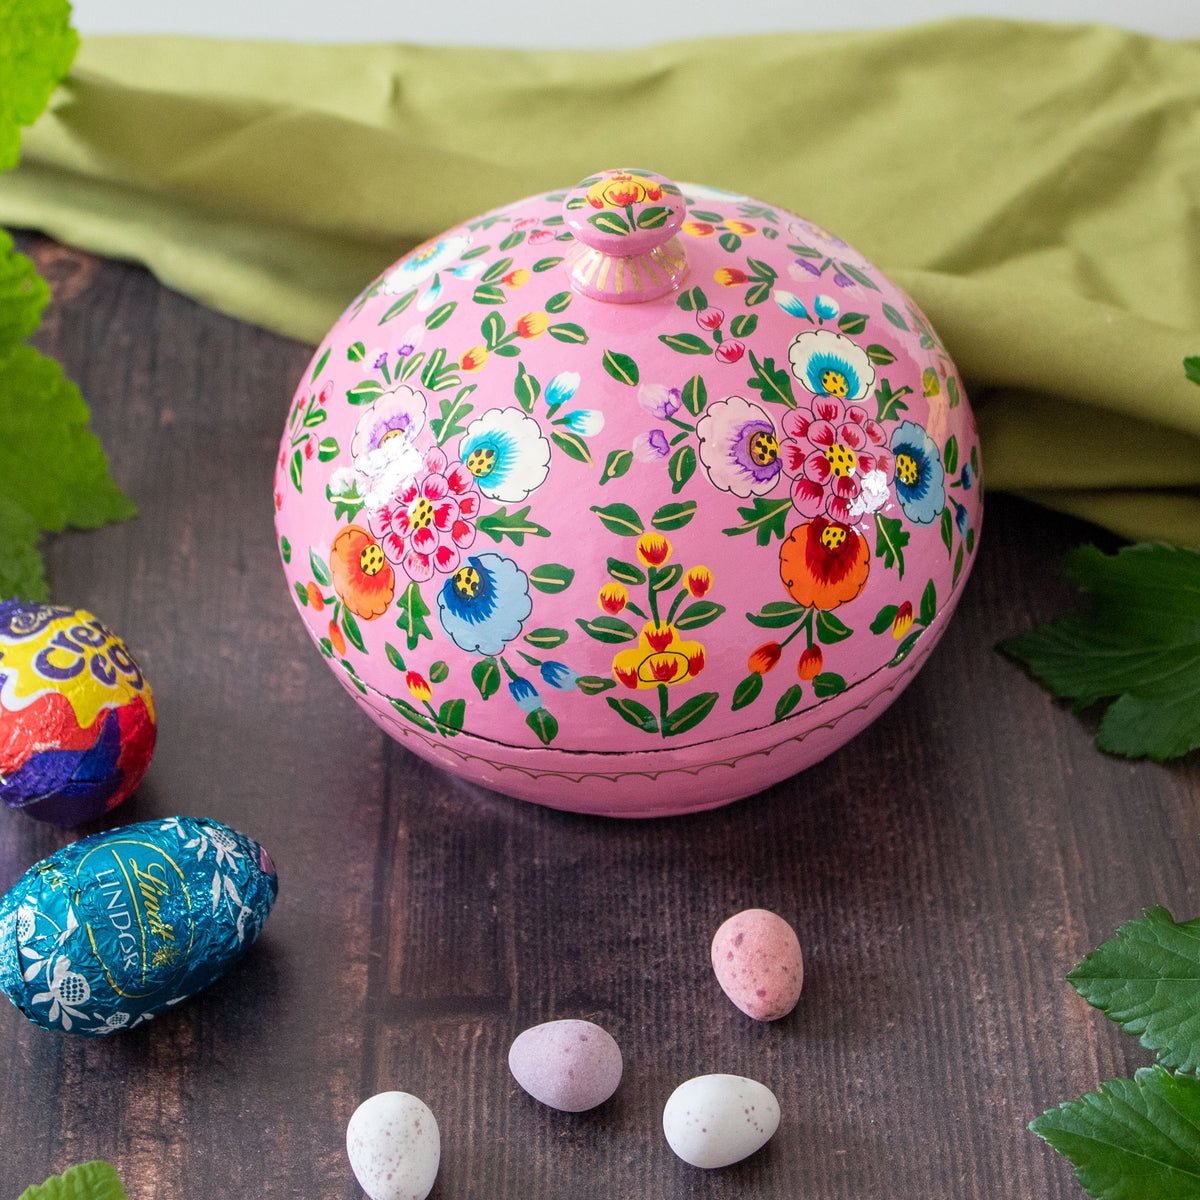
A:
1036,188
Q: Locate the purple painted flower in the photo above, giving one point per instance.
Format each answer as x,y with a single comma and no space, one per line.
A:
843,281
659,400
652,446
806,264
739,447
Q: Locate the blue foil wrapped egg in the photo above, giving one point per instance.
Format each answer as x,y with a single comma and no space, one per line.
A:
109,931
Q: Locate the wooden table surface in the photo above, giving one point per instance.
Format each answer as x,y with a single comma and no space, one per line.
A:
944,870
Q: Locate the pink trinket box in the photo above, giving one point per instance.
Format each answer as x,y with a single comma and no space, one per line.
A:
630,499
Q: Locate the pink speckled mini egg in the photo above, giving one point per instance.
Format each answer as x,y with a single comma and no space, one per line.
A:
633,498
757,959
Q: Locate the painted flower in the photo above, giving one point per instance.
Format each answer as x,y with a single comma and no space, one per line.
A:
473,359
902,621
653,549
739,447
652,446
829,453
764,658
824,564
587,422
423,262
419,687
506,453
561,388
699,580
729,352
830,364
826,307
962,519
388,427
515,279
920,479
659,400
616,191
791,304
532,325
710,318
660,656
413,336
483,605
362,578
730,276
699,228
429,518
559,675
811,662
612,598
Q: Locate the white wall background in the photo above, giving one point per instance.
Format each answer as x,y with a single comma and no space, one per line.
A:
588,24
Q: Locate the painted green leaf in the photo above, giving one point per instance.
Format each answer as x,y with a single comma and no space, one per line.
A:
485,675
947,524
695,395
513,239
526,388
352,631
743,325
890,403
572,445
439,672
757,293
880,355
559,302
412,714
905,648
570,333
689,714
776,614
451,716
296,470
621,519
747,691
607,629
858,276
693,300
319,568
959,559
616,465
440,315
546,638
884,618
621,367
765,519
301,593
653,218
685,343
852,323
730,242
320,366
546,264
394,656
489,293
699,614
593,685
413,610
662,578
950,455
890,539
831,629
630,574
285,550
636,714
771,382
492,328
454,411
928,609
671,517
610,222
551,578
497,270
543,723
356,352
400,305
681,467
327,449
788,701
828,683
895,316
515,526
365,392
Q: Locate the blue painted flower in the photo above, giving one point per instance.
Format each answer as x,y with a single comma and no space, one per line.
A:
826,307
507,454
483,604
830,364
525,694
561,388
423,262
586,422
791,304
962,519
920,479
967,479
559,675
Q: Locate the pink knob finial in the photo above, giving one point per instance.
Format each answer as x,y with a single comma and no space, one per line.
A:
625,224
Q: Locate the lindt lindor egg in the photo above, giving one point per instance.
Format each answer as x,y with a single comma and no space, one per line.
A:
757,960
632,498
110,930
394,1147
717,1120
570,1065
77,725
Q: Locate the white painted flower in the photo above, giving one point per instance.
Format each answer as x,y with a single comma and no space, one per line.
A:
791,304
830,364
506,453
872,496
739,447
423,262
387,427
826,307
561,388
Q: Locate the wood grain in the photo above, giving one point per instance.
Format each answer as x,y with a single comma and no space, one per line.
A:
944,870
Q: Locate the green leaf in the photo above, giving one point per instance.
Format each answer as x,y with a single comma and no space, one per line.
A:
1191,368
1135,1139
492,328
621,367
88,1181
551,578
948,530
327,449
697,615
928,609
365,392
695,395
1139,642
1147,979
394,656
895,316
610,222
413,611
544,724
546,638
831,629
621,519
485,675
439,672
664,578
22,573
681,467
546,264
881,356
497,270
440,315
653,218
744,325
884,618
829,683
574,334
23,293
608,629
572,445
852,322
890,540
593,685
489,293
950,455
413,714
857,275
788,701
319,568
516,526
352,631
685,343
773,383
399,306
451,716
765,519
757,293
776,614
513,239
730,242
616,465
629,574
453,413
285,549
693,300
747,691
637,715
674,516
890,403
689,714
526,388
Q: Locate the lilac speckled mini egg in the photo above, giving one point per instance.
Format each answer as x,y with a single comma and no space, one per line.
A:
632,498
570,1065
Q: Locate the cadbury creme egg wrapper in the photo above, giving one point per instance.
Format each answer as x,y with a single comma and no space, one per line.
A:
633,498
77,725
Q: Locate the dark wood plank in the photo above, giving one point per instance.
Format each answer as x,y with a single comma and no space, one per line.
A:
944,870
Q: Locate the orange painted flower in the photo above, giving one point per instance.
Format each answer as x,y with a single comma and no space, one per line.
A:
613,598
699,580
824,564
362,577
314,597
660,656
516,279
730,276
653,549
418,685
811,662
532,325
902,621
764,658
473,359
336,640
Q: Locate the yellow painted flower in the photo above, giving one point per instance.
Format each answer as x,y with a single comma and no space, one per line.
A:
730,276
740,228
532,325
653,549
616,191
660,656
699,580
902,621
515,279
473,359
613,598
698,229
419,686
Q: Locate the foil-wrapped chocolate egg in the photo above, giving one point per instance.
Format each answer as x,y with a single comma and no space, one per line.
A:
109,931
77,726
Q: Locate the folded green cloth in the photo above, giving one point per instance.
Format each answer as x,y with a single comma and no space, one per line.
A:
1036,189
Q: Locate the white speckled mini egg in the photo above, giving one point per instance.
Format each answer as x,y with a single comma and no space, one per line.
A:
569,1065
631,498
716,1120
394,1147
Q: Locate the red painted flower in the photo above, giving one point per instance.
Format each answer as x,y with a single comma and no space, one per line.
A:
710,318
429,518
811,662
764,658
730,352
824,564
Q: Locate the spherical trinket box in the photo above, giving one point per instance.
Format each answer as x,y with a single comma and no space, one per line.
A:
633,498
